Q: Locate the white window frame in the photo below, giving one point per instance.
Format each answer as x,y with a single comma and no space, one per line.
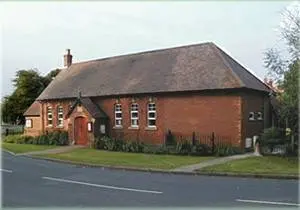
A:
49,113
253,116
118,110
28,123
259,116
149,111
60,119
134,109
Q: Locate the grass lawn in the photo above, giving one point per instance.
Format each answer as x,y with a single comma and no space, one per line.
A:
258,165
22,148
138,160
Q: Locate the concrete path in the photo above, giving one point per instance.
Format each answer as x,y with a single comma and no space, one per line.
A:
54,150
198,166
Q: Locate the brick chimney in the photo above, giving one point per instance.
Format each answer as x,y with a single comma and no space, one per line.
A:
68,59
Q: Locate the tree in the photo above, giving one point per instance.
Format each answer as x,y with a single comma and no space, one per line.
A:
28,84
285,71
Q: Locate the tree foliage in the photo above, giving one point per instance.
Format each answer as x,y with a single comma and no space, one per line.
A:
285,72
28,85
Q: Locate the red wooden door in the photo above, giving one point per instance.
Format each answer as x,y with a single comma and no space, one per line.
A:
80,131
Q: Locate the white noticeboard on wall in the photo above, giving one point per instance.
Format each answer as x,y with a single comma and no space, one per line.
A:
248,142
102,129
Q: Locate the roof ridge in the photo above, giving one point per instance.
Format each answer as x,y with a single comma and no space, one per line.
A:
143,52
217,51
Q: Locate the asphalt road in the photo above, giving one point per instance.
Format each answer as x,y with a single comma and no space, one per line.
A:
29,182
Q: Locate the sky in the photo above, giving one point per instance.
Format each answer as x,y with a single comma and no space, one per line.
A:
37,34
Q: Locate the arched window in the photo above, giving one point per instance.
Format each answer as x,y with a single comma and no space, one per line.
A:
151,116
49,116
134,114
60,116
118,115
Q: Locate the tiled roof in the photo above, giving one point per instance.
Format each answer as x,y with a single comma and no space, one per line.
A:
187,68
33,110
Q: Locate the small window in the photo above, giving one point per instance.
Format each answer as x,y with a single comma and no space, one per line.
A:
134,113
28,123
49,116
151,115
60,116
259,116
118,115
251,116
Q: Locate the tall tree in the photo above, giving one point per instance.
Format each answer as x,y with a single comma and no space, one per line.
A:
285,71
28,86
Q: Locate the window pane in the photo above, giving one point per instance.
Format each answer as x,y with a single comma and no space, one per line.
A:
118,122
134,114
152,122
151,114
134,107
119,115
118,107
49,122
134,122
151,107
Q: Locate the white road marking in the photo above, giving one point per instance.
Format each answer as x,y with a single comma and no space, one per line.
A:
268,202
101,186
4,170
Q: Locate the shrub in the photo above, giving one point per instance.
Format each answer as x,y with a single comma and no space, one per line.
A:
99,143
28,139
63,138
272,136
201,149
226,150
184,148
14,139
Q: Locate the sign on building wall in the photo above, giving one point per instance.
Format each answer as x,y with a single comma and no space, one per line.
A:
102,129
248,142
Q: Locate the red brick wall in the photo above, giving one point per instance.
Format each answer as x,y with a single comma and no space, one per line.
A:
224,114
35,130
142,133
54,104
183,113
204,114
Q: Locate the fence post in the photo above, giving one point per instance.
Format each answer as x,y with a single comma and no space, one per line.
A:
194,138
213,142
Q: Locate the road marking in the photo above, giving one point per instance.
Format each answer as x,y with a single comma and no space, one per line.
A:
4,170
102,186
268,202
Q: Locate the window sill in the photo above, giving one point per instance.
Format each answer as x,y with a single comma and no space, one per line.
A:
151,128
60,126
118,127
49,126
133,128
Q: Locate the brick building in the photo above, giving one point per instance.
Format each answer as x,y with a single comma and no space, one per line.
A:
142,96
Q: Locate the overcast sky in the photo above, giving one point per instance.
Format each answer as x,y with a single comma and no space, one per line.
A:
36,34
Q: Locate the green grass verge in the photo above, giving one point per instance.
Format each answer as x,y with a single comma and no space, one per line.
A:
138,160
258,165
22,148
